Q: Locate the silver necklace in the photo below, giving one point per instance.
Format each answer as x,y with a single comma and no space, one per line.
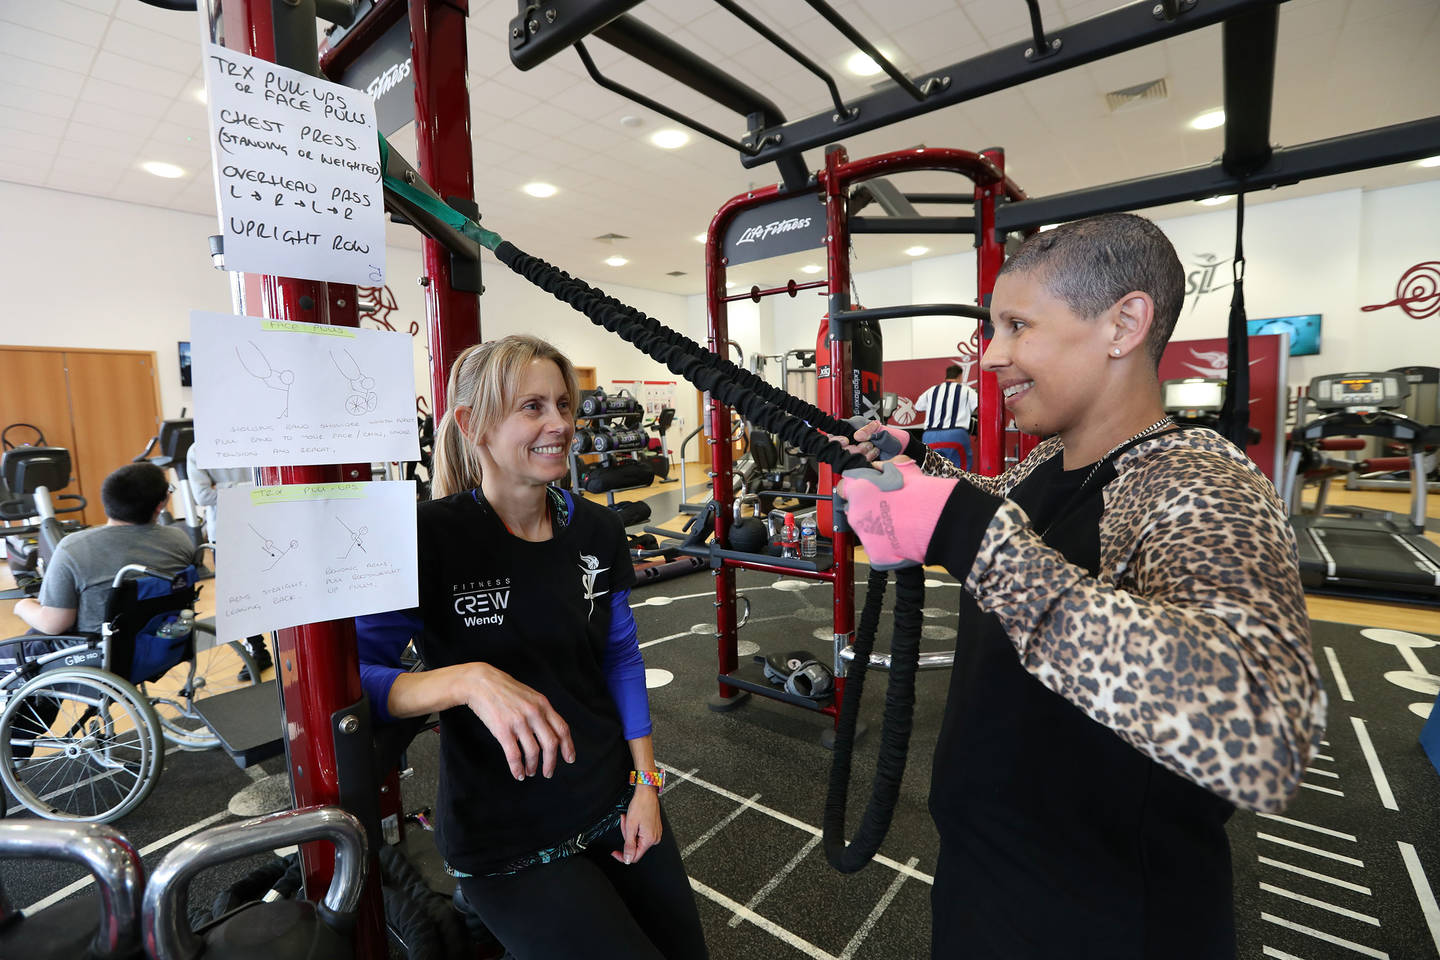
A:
1162,422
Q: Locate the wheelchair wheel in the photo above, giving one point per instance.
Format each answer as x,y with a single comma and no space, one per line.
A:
79,744
173,696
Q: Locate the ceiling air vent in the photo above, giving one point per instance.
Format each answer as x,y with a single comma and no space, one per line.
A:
1130,97
611,237
676,273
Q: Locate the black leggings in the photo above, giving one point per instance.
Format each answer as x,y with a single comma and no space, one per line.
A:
591,906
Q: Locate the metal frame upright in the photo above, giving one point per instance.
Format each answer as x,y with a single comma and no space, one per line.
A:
991,187
317,663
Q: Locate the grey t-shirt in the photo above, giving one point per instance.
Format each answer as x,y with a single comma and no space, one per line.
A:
84,565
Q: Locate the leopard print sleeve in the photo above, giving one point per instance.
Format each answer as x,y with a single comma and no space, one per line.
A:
1193,644
937,466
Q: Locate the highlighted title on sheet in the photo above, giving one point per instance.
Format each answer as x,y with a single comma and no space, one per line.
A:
275,392
297,172
305,553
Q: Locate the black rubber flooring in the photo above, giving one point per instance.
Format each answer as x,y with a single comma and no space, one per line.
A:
747,791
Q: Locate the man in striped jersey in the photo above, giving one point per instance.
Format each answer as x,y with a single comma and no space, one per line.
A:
948,407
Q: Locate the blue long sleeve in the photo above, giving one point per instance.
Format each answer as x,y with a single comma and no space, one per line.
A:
381,639
624,668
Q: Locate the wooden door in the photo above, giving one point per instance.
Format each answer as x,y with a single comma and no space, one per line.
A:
32,390
585,378
115,406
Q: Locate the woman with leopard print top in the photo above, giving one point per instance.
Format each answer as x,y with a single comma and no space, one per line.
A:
1134,657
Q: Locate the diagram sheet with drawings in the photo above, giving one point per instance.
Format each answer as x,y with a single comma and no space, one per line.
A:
270,392
304,553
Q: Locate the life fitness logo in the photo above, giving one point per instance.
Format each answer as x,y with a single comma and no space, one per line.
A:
482,603
387,80
775,227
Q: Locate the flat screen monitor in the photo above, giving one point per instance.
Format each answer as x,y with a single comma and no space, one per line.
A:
184,363
1304,331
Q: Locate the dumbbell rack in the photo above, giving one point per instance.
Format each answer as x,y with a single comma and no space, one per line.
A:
606,457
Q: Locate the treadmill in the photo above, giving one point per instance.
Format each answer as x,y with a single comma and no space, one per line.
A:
1353,551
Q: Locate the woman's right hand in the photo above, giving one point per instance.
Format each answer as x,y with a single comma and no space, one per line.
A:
865,445
521,719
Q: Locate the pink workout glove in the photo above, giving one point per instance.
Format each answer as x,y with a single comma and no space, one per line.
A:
904,517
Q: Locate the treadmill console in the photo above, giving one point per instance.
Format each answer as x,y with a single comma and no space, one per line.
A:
1358,392
1193,397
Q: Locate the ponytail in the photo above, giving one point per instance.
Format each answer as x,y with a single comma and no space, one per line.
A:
455,465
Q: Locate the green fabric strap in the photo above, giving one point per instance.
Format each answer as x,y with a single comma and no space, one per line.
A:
488,239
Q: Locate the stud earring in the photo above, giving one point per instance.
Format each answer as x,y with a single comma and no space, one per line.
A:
1116,351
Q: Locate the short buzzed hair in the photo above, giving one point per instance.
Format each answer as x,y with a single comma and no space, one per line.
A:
953,371
1091,264
132,493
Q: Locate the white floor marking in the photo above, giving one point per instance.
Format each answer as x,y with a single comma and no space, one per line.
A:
1382,785
671,783
870,921
673,636
1279,954
1308,849
1340,682
1324,743
724,822
1311,786
163,842
1321,756
1307,826
1322,773
1315,876
1290,894
656,677
884,861
1359,948
774,881
769,926
1423,893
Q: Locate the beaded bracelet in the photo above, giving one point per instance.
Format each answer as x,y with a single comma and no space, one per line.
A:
650,778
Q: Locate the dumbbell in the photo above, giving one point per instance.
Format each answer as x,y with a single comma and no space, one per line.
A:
609,440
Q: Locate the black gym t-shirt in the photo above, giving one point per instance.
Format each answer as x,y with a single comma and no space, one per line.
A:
1057,838
540,612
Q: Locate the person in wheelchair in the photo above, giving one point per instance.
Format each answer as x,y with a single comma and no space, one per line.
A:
72,720
77,583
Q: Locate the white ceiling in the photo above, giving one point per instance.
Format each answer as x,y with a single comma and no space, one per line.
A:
95,87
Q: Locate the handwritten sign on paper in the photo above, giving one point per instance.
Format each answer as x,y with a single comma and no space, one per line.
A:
305,553
297,172
273,392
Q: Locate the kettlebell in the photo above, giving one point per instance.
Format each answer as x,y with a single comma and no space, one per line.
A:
748,534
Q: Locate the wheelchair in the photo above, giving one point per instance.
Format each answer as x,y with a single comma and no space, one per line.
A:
84,725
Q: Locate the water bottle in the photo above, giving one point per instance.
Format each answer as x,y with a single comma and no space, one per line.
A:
808,537
178,626
790,542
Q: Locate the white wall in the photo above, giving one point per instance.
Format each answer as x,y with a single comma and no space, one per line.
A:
80,271
1327,254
